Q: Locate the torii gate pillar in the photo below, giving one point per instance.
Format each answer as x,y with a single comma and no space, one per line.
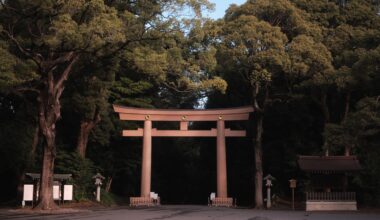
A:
146,168
221,162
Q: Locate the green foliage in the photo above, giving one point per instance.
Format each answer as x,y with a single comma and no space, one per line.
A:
82,171
281,13
13,71
361,131
310,63
110,199
130,93
255,48
360,126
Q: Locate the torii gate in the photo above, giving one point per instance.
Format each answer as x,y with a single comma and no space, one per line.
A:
183,117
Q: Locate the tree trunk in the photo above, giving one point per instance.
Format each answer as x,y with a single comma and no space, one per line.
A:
258,141
347,149
85,129
84,132
346,106
45,200
258,163
49,109
324,107
49,113
36,139
326,113
108,184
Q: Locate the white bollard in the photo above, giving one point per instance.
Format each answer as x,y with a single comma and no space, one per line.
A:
98,193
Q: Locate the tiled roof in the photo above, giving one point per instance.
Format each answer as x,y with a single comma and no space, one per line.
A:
56,176
328,163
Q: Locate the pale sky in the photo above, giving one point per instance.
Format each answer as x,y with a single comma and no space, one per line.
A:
221,6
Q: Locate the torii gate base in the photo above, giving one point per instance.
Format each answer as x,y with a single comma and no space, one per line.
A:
183,117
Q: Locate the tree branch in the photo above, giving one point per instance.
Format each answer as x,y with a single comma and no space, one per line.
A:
176,89
28,90
65,73
37,58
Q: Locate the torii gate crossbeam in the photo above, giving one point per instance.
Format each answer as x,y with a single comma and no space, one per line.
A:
183,117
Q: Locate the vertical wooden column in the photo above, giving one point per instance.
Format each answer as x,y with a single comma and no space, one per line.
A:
146,167
221,163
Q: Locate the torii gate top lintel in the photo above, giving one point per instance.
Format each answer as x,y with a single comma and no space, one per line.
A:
183,116
142,114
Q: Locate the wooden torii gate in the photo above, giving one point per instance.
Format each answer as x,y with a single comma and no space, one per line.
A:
183,117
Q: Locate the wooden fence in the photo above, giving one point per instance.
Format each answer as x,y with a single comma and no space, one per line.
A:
330,196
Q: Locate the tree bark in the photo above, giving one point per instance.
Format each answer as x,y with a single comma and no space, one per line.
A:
49,114
108,184
258,141
324,107
346,106
85,129
258,163
347,149
45,200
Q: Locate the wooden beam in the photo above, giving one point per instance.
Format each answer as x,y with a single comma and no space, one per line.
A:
181,112
235,133
183,125
133,133
228,117
184,133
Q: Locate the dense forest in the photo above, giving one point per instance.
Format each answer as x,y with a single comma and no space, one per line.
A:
310,69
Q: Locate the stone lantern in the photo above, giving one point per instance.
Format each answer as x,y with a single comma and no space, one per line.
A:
98,182
268,183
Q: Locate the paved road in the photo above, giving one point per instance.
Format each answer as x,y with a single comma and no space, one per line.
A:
190,212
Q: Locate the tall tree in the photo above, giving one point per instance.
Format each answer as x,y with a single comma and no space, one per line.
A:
255,51
54,34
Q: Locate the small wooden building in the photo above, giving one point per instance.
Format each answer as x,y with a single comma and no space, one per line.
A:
62,191
328,188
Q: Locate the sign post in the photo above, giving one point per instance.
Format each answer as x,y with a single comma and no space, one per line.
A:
292,185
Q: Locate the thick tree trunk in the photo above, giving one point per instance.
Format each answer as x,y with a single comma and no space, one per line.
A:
46,201
49,109
85,129
258,163
49,113
258,141
84,132
322,102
